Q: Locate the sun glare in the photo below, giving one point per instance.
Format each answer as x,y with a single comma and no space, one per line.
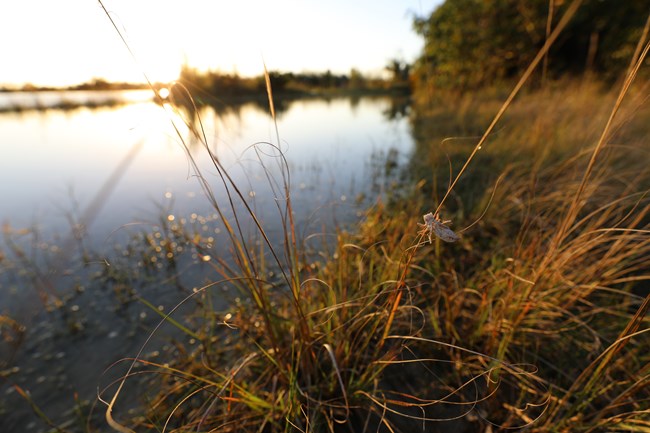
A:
162,35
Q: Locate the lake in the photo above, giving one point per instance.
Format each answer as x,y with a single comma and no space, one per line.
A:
85,172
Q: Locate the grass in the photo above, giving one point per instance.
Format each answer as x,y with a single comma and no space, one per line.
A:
383,331
536,318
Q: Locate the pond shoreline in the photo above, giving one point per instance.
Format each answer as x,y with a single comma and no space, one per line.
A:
18,101
100,315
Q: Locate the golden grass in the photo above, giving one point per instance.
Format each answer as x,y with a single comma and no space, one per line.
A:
536,318
387,332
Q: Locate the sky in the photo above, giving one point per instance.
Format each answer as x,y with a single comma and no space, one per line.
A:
67,42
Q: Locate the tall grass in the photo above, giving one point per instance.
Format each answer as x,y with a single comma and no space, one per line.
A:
382,331
575,308
535,319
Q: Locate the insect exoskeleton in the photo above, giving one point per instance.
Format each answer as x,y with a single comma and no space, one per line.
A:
433,225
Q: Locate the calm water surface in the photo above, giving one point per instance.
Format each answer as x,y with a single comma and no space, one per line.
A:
122,167
56,160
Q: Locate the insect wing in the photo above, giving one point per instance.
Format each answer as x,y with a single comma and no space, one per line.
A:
444,232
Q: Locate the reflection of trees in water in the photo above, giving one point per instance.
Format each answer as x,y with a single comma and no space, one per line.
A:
354,102
189,101
195,110
383,168
398,109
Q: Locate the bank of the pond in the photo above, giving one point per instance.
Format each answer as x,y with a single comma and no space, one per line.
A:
509,327
514,325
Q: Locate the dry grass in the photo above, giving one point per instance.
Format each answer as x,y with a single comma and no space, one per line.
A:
536,318
574,308
383,331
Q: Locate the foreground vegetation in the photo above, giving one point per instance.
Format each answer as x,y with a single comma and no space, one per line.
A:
511,326
536,318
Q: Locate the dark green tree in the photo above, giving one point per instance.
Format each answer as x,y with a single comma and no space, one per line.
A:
472,43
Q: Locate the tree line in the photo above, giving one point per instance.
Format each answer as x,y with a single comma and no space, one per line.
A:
474,43
217,83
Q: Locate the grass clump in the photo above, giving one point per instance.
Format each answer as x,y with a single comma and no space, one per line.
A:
555,273
535,319
507,328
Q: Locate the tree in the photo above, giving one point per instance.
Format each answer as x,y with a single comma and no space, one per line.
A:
472,43
399,71
357,80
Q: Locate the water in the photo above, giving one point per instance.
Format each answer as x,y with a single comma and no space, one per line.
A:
116,168
20,101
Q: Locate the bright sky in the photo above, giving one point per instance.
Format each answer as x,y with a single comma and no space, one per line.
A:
58,43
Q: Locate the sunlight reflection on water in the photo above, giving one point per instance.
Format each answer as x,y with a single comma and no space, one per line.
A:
52,159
